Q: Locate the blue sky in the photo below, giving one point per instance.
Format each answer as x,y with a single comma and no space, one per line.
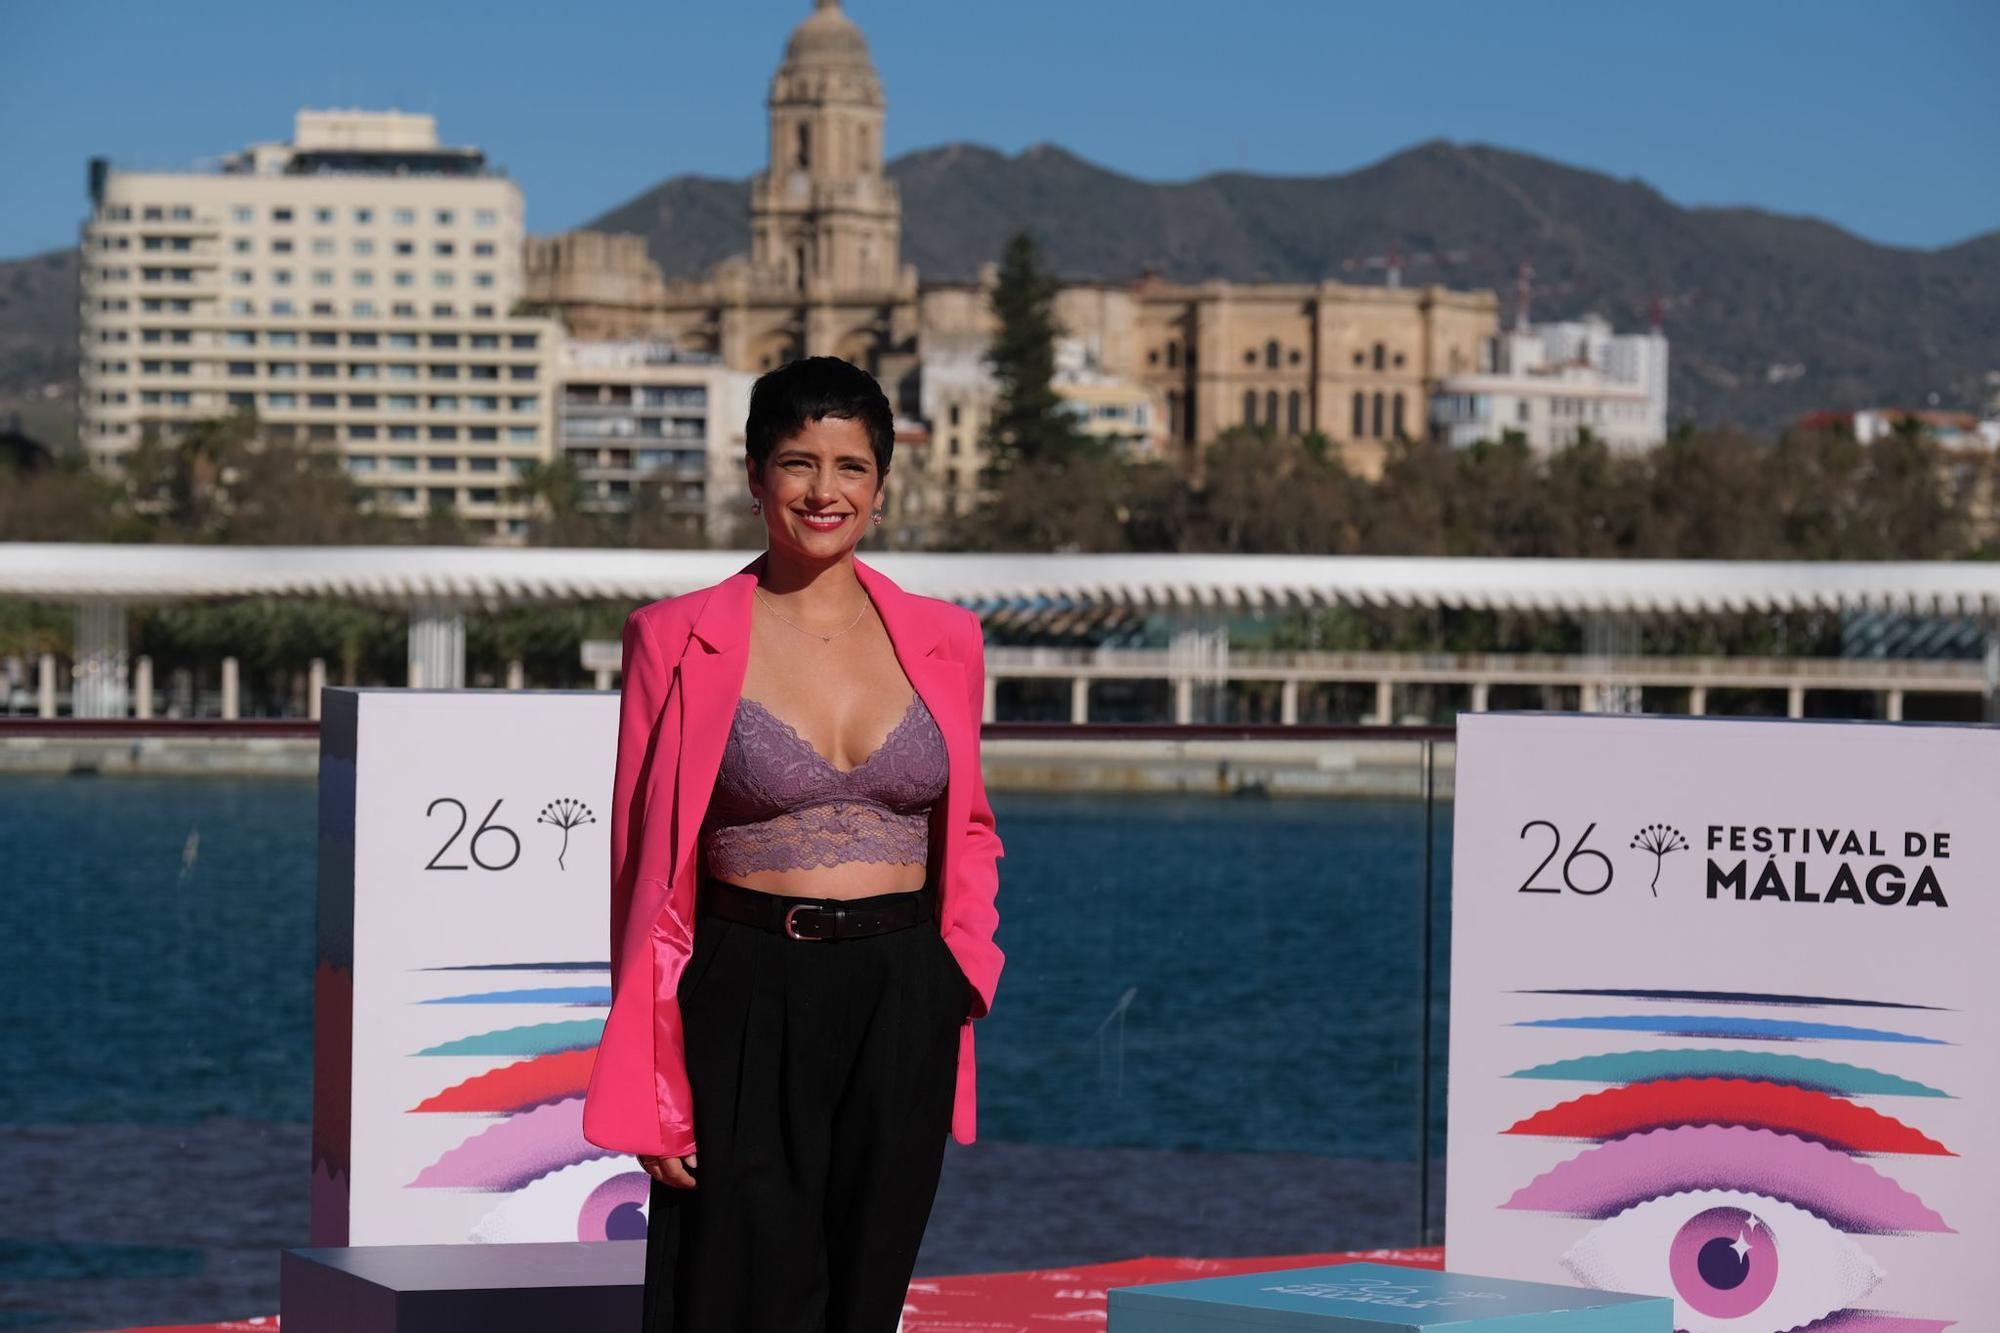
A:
1876,116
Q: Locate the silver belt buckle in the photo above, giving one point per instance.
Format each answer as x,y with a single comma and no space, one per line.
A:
791,925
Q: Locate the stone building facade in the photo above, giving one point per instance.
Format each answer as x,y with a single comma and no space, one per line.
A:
824,276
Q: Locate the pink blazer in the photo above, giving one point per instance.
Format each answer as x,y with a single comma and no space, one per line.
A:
683,674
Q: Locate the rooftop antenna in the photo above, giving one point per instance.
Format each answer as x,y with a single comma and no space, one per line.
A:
1522,282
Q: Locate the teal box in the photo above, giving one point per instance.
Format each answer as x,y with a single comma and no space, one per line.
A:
1374,1298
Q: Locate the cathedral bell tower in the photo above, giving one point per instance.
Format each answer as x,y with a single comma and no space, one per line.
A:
825,223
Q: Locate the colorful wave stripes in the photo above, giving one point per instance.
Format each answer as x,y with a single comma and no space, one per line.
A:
519,1086
1809,1114
1800,1071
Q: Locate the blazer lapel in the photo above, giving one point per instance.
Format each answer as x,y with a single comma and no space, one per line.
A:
711,684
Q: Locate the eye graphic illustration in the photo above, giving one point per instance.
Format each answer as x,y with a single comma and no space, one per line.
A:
1726,1256
1731,1176
602,1200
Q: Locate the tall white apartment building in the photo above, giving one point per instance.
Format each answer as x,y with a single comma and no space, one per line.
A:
353,286
645,415
1554,383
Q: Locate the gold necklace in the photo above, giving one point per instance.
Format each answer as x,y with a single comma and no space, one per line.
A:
823,638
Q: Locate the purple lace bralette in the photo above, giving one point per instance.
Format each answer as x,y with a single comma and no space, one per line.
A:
779,804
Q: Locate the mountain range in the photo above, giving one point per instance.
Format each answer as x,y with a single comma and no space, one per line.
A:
1770,316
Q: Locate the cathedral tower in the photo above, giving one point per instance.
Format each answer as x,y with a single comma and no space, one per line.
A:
825,223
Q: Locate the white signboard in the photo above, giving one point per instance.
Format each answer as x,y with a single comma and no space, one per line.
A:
463,975
1724,1015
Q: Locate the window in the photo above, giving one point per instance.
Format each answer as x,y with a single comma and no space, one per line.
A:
242,368
524,373
281,307
481,310
1296,357
443,249
402,402
404,249
441,310
1360,413
364,216
402,462
323,245
360,340
361,400
1397,416
402,340
444,217
484,217
323,370
363,248
444,372
443,433
482,250
403,433
1376,417
404,310
242,277
485,340
404,217
487,372
484,495
323,338
361,462
402,370
239,306
444,402
1249,356
322,400
1271,359
482,402
281,400
239,401
283,338
362,370
521,342
484,435
403,494
322,277
443,278
1399,360
240,245
482,279
240,338
182,213
281,277
404,278
362,277
1380,352
521,434
1292,405
364,310
154,213
323,216
523,403
1249,407
284,370
242,213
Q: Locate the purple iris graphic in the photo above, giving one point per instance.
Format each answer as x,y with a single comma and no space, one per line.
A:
1724,1262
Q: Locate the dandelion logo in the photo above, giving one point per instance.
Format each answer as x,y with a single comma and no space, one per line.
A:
565,814
1659,839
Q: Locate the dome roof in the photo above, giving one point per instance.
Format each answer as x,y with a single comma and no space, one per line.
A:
829,37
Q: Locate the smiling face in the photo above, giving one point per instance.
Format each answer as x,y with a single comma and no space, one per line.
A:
819,489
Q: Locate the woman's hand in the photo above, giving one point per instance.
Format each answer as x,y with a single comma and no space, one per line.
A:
671,1171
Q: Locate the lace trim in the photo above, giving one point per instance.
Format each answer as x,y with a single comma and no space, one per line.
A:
834,833
906,720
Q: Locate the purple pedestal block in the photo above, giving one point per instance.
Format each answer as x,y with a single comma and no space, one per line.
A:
452,1288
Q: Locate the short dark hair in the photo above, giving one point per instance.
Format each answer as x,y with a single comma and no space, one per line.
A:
786,400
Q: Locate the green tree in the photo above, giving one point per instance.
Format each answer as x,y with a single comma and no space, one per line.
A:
1029,424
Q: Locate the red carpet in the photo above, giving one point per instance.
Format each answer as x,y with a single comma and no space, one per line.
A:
1016,1302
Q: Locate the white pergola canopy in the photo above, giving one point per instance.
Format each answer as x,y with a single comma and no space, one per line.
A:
431,577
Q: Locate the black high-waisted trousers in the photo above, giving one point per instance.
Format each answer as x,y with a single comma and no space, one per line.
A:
823,1075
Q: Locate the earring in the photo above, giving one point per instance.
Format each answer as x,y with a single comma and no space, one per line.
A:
878,518
756,506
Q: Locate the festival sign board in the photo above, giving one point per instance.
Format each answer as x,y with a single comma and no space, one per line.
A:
1724,1014
463,974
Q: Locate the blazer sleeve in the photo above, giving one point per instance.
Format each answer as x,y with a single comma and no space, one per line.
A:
976,873
642,698
631,1092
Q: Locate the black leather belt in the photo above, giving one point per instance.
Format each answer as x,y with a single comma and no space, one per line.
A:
823,919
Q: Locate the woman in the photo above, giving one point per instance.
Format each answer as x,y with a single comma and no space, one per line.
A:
802,900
